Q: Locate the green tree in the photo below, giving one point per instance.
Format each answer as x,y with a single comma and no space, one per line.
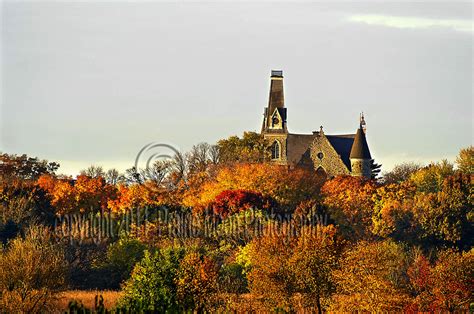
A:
152,285
446,216
431,178
252,147
122,257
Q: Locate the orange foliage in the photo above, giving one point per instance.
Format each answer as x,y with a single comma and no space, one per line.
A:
138,196
453,281
393,210
287,187
350,202
371,279
196,281
81,195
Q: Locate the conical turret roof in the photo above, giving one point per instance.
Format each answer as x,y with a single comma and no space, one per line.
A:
360,149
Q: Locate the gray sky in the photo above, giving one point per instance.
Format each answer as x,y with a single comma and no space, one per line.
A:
91,83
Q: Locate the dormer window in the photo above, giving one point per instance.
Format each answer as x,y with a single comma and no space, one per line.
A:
275,121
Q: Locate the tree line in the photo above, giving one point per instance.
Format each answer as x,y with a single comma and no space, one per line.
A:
402,241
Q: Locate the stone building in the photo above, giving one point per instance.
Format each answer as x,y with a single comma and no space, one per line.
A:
327,154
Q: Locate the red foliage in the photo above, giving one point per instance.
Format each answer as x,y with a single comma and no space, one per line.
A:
233,201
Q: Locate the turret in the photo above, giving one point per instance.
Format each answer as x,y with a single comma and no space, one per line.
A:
360,157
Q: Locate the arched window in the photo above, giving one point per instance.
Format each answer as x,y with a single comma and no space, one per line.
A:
276,150
320,172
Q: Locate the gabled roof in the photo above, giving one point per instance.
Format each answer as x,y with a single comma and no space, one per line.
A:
297,146
342,145
282,113
360,149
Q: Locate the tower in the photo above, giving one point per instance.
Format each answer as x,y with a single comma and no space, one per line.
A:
274,127
360,154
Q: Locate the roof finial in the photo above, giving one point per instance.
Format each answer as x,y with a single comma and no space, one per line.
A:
362,122
321,130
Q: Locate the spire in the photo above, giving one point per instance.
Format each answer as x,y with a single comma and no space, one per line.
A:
362,122
276,98
275,114
360,149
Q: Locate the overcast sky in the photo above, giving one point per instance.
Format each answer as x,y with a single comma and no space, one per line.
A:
91,83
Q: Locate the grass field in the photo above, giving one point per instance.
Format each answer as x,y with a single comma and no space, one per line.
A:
87,297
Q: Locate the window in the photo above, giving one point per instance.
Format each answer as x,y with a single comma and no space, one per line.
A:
320,172
275,150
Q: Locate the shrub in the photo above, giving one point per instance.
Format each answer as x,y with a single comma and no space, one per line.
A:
31,271
122,257
196,282
152,286
232,278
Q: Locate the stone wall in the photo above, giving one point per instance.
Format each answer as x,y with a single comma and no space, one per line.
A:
281,138
325,156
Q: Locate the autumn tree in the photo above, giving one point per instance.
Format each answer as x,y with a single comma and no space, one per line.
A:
400,172
453,282
133,176
252,147
85,194
200,157
446,216
465,160
170,280
287,187
315,257
32,269
233,201
349,201
113,176
372,277
93,172
431,178
24,167
421,283
240,228
393,214
270,278
22,203
196,282
157,172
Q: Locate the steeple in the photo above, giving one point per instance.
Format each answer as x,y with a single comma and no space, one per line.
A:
360,149
275,114
360,157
